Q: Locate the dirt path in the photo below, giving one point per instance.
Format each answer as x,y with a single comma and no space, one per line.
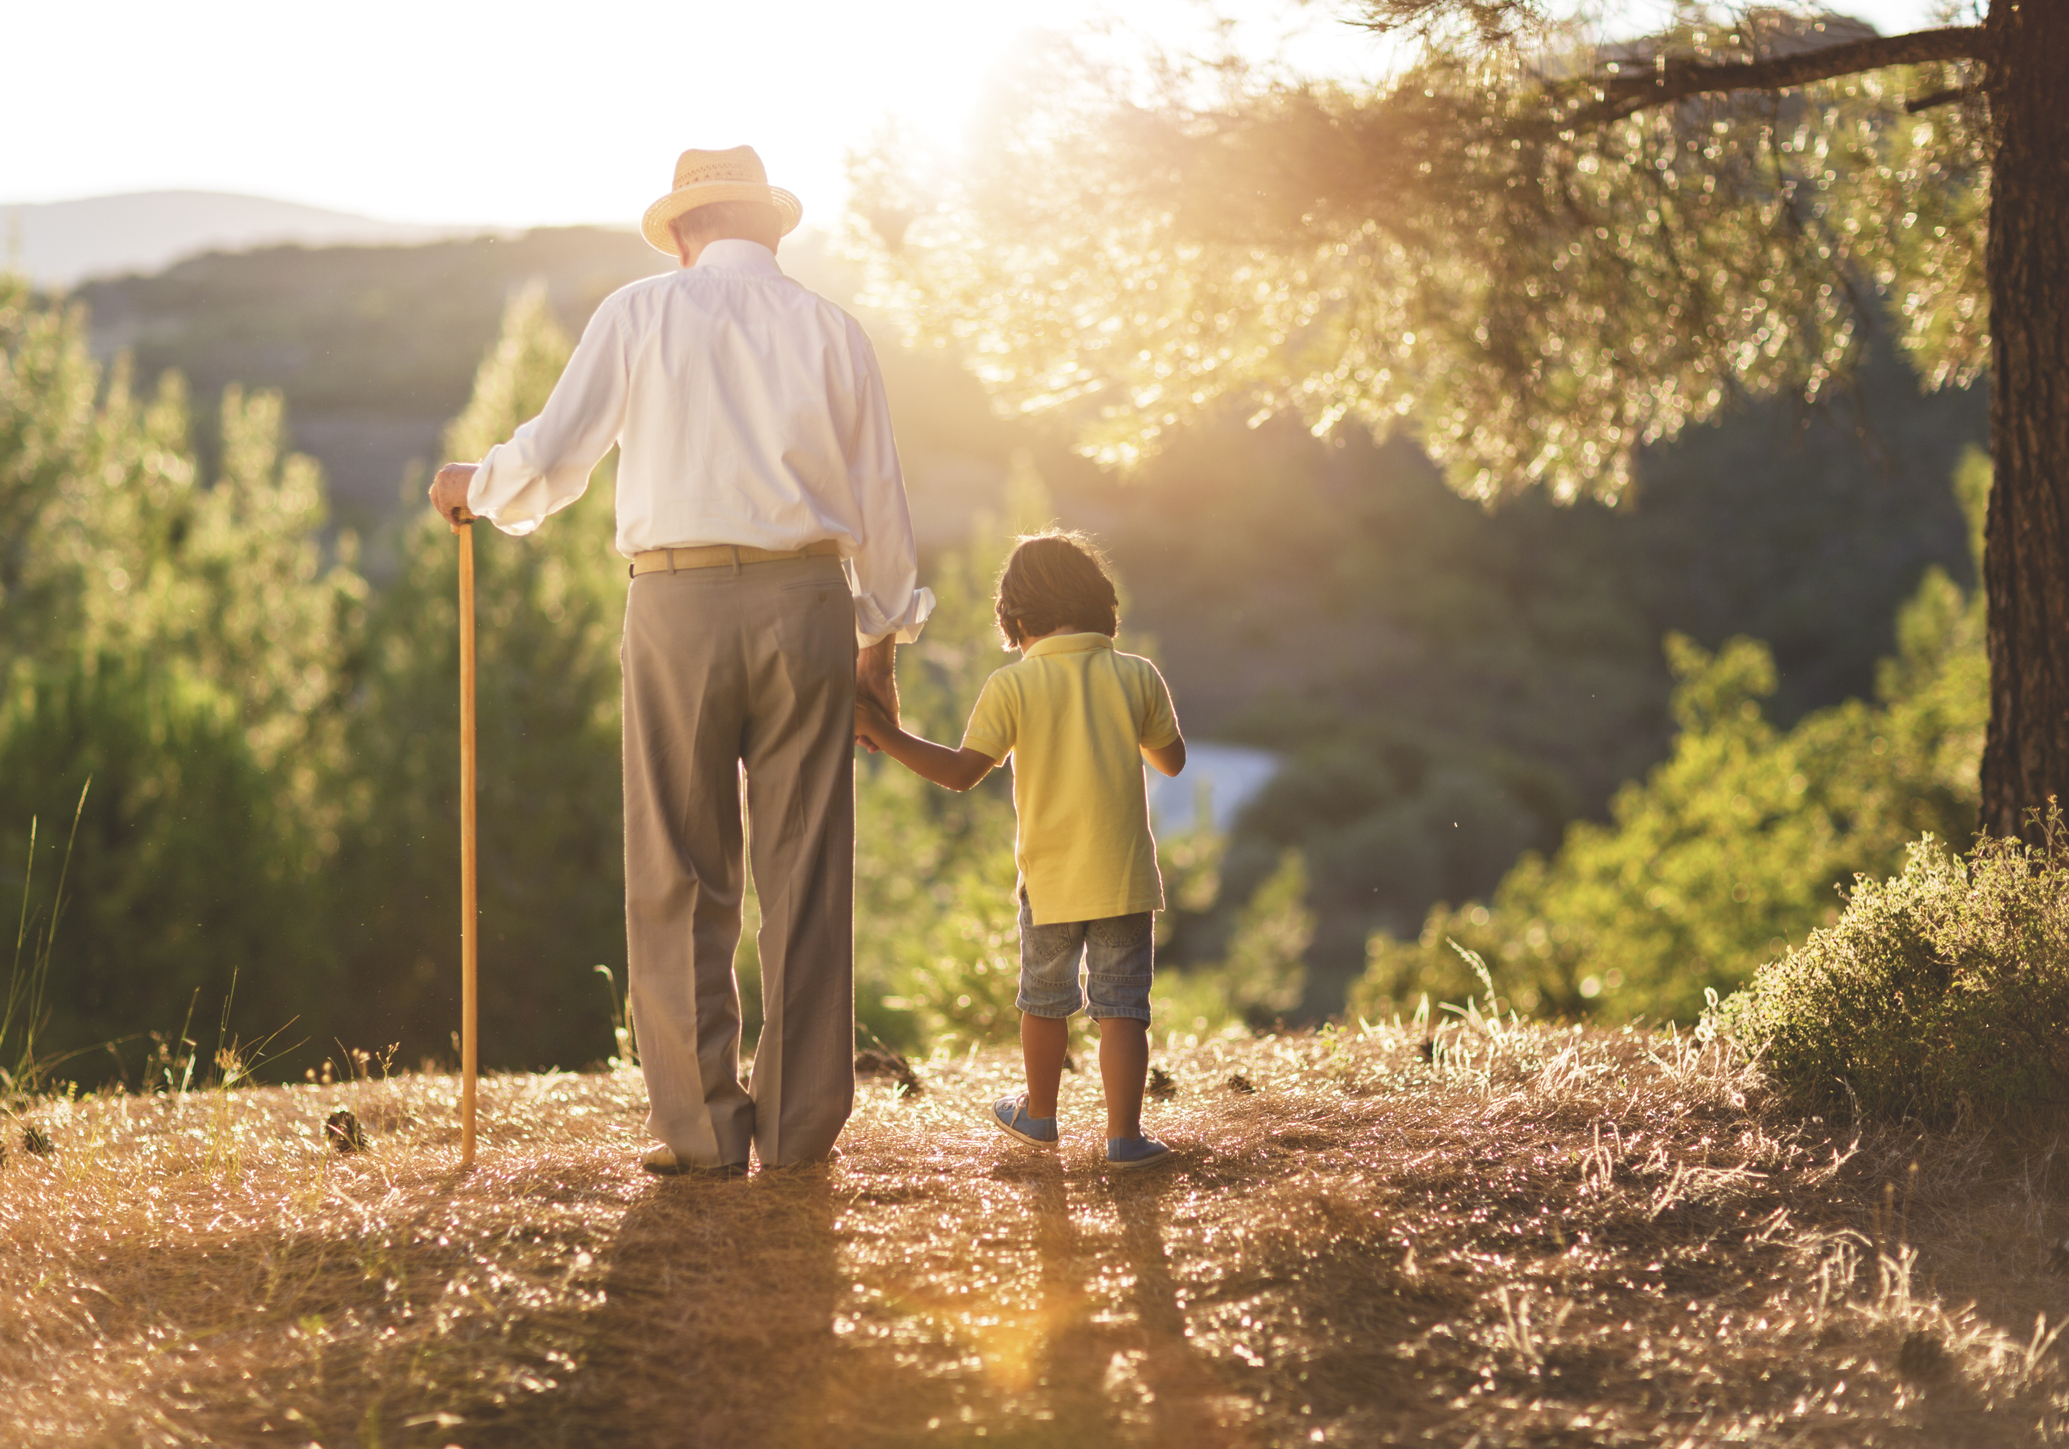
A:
1524,1237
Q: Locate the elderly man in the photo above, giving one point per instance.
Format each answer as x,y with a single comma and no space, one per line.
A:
773,575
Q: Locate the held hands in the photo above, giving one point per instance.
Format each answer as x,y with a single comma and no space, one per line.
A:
877,726
876,686
449,493
872,726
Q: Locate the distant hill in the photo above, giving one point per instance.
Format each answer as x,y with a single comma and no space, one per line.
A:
61,243
374,347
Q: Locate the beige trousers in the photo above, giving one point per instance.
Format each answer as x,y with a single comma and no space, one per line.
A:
752,665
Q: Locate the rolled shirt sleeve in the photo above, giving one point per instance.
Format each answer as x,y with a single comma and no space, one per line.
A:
547,462
884,568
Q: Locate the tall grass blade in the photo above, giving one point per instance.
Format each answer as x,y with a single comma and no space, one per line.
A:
25,1015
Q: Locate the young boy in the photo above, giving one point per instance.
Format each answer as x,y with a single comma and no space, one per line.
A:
1078,717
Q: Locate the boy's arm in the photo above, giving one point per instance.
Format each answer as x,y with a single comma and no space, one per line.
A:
952,769
1160,722
1168,759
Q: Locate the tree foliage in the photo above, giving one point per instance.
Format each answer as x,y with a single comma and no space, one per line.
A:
1469,249
548,608
180,641
272,821
1736,846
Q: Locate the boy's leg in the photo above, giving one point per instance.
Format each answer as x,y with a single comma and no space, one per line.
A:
1049,993
1044,1041
1120,960
1123,1067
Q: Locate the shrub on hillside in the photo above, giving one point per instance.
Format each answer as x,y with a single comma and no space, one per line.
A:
187,863
1739,843
1941,993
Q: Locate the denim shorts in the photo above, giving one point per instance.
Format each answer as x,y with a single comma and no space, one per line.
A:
1117,952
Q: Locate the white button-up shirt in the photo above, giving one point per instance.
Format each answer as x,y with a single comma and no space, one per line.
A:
747,410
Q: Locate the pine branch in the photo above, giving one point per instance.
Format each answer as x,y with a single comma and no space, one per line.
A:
1940,98
1677,80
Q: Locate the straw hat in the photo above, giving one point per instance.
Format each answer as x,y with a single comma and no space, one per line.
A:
702,177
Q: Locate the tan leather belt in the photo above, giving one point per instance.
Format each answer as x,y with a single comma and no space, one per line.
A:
724,555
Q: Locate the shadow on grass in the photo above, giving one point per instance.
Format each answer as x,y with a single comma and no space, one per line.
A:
716,1325
742,1313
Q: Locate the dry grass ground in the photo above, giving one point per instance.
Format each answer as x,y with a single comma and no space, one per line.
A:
1526,1237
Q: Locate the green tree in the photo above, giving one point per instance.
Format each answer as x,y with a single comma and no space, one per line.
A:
182,642
1543,252
548,612
1739,843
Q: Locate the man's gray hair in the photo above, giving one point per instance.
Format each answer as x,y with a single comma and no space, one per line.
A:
750,220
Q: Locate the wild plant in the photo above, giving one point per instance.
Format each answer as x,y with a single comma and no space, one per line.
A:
22,1071
621,1020
1941,994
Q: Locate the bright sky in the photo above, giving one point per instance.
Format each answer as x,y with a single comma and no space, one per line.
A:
522,113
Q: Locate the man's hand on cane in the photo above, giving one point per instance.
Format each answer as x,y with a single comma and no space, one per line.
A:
449,493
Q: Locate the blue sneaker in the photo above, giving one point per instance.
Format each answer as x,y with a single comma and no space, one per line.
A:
1010,1113
1125,1152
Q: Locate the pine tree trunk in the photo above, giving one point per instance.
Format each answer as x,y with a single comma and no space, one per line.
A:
2026,548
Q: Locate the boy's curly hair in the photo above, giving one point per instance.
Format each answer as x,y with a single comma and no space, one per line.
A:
1056,580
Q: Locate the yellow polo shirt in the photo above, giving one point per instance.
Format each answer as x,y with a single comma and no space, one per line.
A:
1075,714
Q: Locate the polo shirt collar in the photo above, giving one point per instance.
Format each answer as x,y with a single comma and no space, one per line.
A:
737,254
1067,644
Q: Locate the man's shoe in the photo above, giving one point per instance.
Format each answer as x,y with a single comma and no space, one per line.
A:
663,1162
1009,1115
1127,1152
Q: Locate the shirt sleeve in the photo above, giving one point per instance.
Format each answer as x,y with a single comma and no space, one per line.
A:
884,570
995,722
547,462
1159,720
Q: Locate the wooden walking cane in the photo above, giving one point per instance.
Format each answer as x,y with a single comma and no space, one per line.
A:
468,932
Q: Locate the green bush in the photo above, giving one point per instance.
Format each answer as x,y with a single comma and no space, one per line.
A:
174,633
1940,994
184,864
1260,981
1740,842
